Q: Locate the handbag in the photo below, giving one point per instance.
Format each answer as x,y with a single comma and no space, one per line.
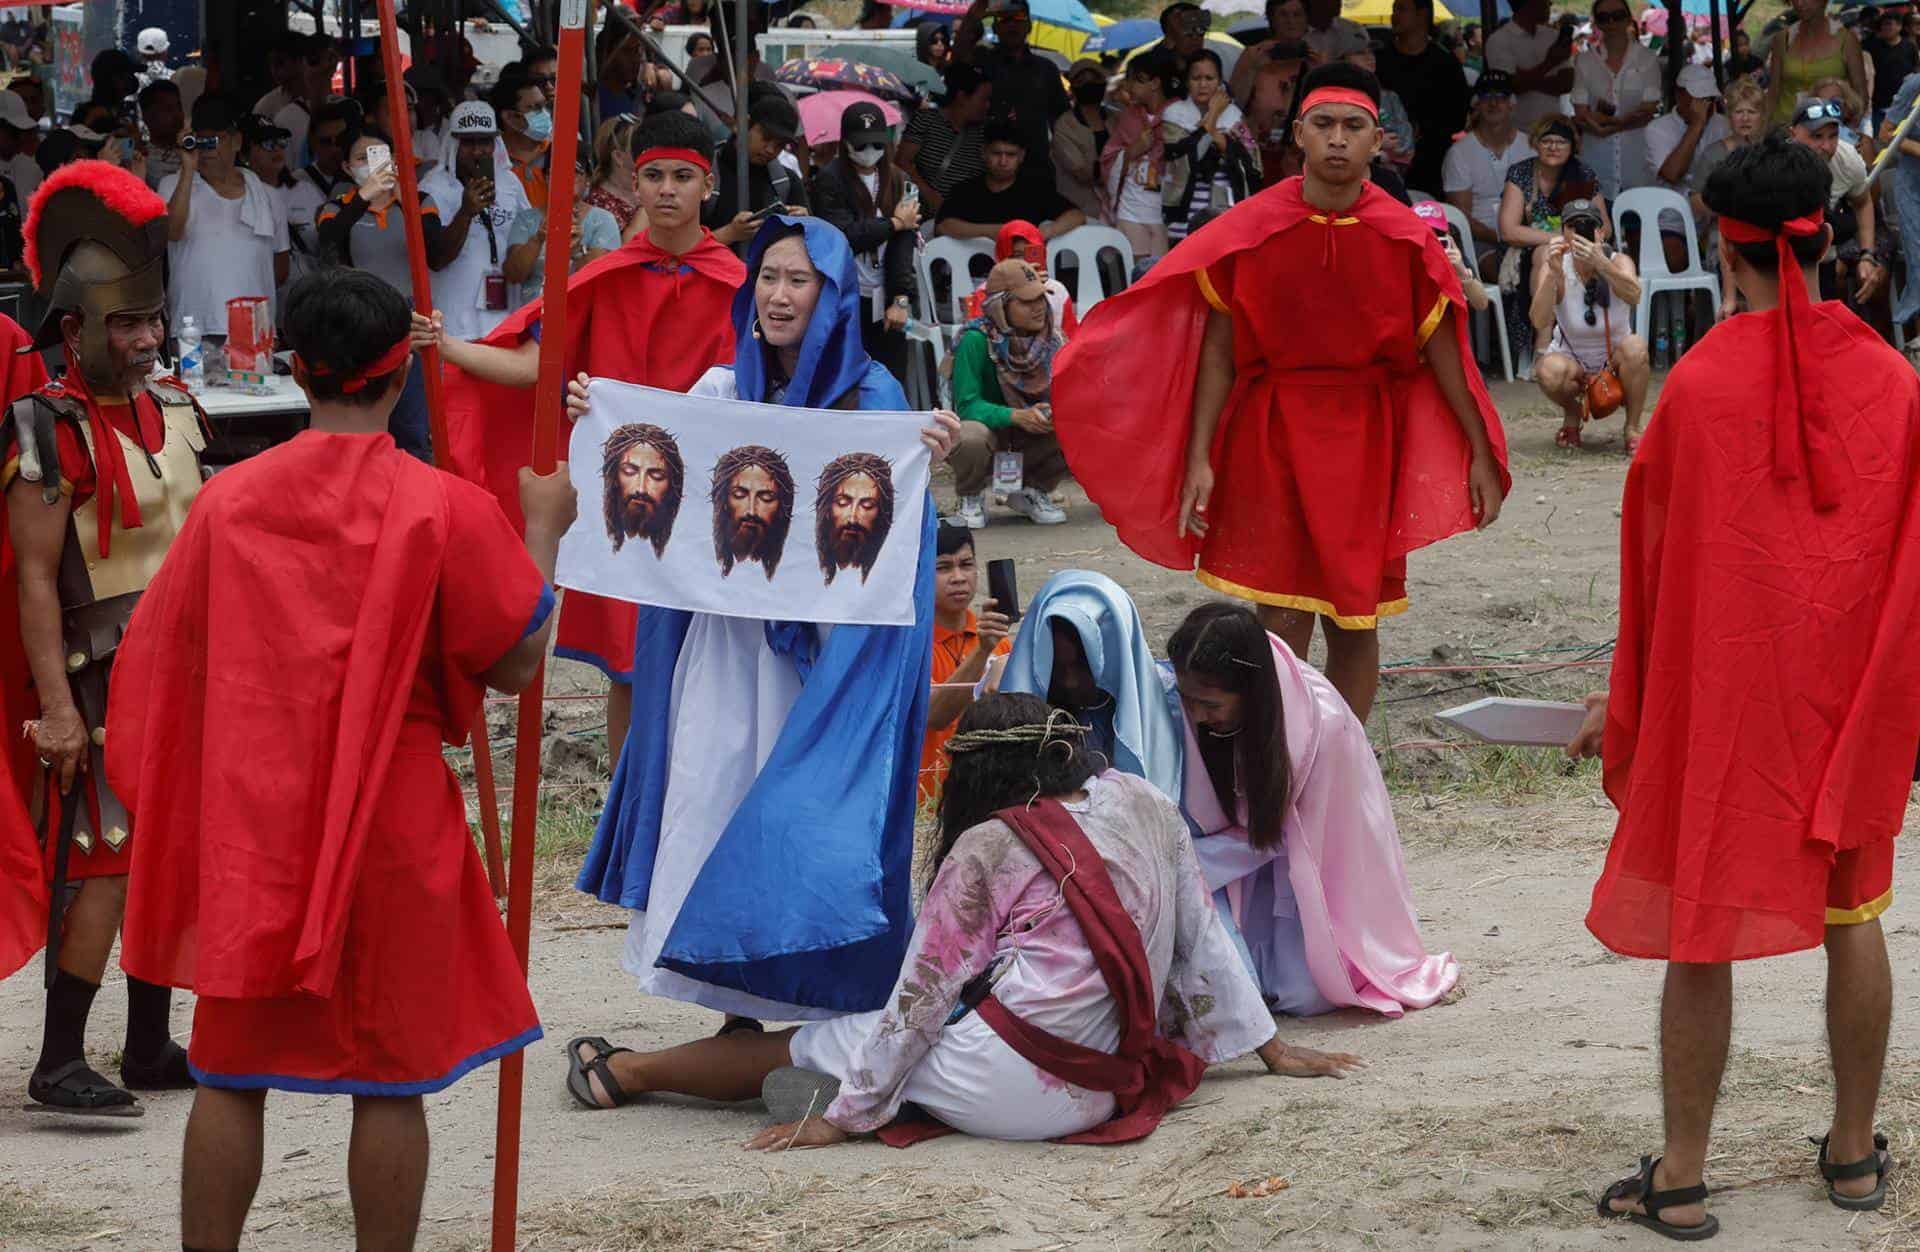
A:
1604,393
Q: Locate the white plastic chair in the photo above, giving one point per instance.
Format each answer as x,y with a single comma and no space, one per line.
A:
1647,204
1086,245
1462,231
955,256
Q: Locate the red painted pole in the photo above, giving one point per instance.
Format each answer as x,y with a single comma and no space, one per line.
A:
401,127
549,398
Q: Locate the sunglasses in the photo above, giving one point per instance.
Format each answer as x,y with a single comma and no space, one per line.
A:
271,145
1820,111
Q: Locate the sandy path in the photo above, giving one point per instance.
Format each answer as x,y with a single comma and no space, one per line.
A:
1486,1122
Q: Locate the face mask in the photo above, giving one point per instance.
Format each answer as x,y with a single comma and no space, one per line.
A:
538,125
1087,94
866,157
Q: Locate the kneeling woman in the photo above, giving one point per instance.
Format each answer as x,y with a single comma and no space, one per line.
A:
1066,951
1297,831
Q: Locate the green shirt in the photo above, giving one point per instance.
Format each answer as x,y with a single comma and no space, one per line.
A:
976,385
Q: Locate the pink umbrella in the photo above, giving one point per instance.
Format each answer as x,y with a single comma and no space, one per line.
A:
820,113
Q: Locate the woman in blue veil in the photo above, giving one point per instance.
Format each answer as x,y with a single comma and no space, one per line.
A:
760,821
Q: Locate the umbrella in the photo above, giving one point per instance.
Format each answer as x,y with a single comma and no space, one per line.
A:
1380,12
820,113
1229,8
1226,47
839,74
1068,13
1123,36
945,8
910,69
1064,40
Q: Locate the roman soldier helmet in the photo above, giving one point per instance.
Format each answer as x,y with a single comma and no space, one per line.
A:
96,244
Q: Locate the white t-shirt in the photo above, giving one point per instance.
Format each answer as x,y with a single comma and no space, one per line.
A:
223,256
25,174
1619,160
272,102
1512,49
1472,166
1664,136
295,119
1339,32
460,290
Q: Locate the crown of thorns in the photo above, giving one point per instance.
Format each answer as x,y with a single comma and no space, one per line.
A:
1060,727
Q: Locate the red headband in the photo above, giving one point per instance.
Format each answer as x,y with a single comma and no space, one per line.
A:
1340,95
386,363
650,155
1801,435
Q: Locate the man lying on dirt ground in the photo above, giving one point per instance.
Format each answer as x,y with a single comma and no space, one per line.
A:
1764,703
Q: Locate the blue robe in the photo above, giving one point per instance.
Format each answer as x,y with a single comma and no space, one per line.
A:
801,908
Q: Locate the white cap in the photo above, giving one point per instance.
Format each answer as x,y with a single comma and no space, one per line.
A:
1697,81
152,42
13,112
473,117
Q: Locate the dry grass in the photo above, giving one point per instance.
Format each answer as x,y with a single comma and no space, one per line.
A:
29,1218
888,1211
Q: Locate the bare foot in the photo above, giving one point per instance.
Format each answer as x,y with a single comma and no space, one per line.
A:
1287,1061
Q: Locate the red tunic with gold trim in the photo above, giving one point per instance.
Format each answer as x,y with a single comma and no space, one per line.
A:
1764,708
638,315
23,888
277,717
1336,454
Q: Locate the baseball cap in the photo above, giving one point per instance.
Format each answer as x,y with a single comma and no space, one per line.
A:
1697,81
86,134
1347,41
1580,211
1088,69
1816,113
152,42
1018,278
473,117
1493,83
863,123
1430,212
776,117
13,112
255,128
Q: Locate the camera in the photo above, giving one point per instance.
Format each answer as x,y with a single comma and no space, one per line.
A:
1586,230
192,143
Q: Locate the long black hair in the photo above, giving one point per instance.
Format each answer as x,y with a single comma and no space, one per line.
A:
1224,646
994,765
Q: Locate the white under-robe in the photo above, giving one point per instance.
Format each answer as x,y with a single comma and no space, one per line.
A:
992,905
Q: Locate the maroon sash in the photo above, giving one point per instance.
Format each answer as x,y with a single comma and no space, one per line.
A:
1149,1074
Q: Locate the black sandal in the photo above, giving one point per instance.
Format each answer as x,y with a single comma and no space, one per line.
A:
1639,1187
166,1072
1880,1164
578,1071
75,1088
732,1025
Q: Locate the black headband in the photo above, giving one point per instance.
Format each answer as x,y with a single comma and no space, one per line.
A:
1557,129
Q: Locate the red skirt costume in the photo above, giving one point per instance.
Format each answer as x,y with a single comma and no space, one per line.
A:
636,315
23,885
1765,699
316,635
1336,454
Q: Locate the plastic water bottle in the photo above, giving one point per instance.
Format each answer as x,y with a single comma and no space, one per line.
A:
1660,358
193,365
1677,330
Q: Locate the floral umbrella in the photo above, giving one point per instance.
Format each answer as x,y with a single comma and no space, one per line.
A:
840,74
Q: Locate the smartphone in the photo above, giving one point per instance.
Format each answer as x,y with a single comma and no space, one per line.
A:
379,160
761,215
1003,589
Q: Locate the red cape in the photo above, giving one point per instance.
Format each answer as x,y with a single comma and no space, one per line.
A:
1123,386
1765,701
23,882
661,334
254,709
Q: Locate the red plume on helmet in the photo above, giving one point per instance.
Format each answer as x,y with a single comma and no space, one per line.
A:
119,192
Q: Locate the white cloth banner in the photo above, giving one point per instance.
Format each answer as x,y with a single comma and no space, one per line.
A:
747,510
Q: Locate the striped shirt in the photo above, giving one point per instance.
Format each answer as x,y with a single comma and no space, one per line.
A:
947,157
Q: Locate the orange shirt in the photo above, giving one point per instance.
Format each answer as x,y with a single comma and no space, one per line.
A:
950,647
533,178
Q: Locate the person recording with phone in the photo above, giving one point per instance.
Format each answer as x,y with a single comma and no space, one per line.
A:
873,203
1583,299
965,646
226,232
773,123
473,287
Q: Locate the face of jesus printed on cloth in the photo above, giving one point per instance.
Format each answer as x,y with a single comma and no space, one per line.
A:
752,508
645,480
853,512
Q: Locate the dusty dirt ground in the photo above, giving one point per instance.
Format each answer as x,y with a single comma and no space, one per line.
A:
1488,1122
